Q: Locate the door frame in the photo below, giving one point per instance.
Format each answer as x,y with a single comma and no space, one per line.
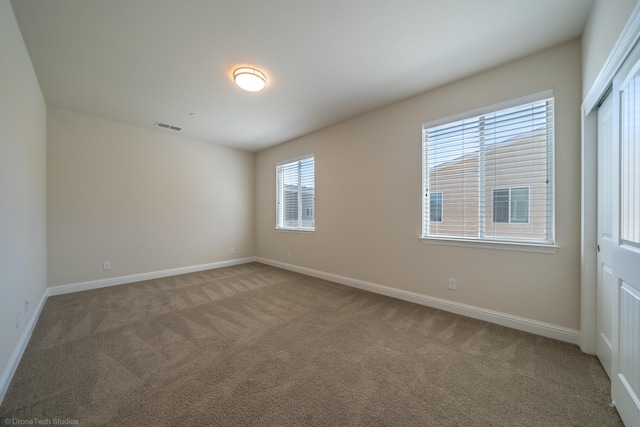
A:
589,159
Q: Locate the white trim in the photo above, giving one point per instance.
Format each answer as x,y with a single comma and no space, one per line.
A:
297,230
121,280
588,235
626,41
492,244
520,323
18,351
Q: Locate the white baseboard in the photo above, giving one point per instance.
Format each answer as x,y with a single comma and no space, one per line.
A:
520,323
121,280
16,356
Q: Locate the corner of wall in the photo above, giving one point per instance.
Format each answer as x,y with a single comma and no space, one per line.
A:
22,196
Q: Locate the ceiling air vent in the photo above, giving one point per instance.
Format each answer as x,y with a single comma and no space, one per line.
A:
167,126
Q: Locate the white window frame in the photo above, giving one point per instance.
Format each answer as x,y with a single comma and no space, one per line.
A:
281,224
506,244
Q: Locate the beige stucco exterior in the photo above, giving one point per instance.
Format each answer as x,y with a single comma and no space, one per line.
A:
459,183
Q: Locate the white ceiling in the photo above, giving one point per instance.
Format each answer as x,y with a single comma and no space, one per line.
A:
142,61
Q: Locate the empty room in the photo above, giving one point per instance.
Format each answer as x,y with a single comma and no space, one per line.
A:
295,212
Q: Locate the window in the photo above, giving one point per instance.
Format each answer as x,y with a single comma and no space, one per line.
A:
511,205
495,167
295,194
435,207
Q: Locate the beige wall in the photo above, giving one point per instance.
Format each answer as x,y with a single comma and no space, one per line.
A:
144,200
368,199
22,188
607,19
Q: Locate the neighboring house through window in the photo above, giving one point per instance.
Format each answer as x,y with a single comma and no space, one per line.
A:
489,175
295,194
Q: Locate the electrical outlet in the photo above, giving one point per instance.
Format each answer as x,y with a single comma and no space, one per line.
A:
106,265
17,319
232,250
452,284
288,254
26,305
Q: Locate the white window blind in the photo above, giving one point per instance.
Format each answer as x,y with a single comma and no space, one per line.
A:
295,194
493,173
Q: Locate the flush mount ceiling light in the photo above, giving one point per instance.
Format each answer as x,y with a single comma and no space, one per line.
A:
250,79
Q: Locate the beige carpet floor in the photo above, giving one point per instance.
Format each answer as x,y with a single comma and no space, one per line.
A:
253,345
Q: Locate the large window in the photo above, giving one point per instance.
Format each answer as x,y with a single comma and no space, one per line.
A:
488,175
295,194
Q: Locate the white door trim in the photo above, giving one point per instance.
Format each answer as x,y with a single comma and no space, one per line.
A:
588,260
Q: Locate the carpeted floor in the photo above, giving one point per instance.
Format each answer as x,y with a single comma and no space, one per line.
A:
259,346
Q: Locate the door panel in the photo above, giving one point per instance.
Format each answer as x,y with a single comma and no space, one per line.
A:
605,230
604,317
629,369
625,265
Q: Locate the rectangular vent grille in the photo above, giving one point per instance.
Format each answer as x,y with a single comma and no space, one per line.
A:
168,126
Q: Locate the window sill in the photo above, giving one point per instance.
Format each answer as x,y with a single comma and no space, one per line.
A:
296,230
503,246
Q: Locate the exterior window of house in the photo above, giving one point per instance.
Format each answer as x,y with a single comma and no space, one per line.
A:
511,205
435,207
295,194
496,166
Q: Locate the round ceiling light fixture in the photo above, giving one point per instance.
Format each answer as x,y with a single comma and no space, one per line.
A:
249,79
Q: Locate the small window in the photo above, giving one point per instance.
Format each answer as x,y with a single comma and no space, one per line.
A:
295,194
511,205
435,207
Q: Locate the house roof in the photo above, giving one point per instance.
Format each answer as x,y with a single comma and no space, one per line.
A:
516,139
